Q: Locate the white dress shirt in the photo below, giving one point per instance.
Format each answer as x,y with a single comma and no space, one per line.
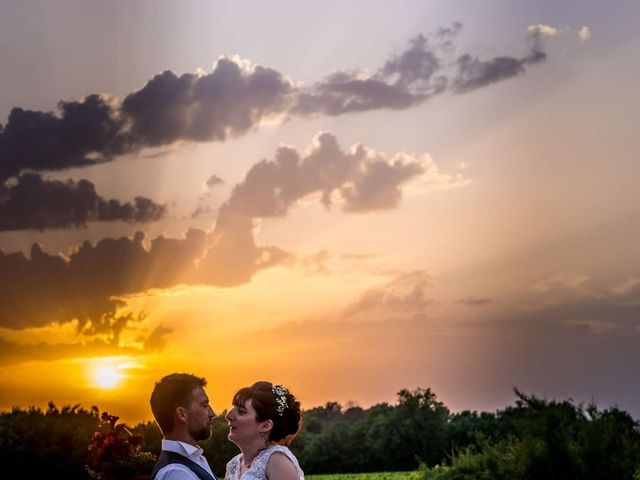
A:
177,471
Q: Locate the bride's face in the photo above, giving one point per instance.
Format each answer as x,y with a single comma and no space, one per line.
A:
243,424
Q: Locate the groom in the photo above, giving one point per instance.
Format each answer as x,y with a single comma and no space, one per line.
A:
182,411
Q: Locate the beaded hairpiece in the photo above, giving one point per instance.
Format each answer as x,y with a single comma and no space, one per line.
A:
281,398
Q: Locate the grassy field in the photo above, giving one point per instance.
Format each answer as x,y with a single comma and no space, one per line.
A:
364,476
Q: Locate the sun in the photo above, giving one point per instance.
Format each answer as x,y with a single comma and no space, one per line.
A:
107,376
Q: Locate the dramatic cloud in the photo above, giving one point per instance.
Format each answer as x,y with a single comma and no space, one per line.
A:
156,341
234,98
204,208
628,286
542,30
34,203
475,302
89,284
230,100
474,73
422,71
563,282
315,264
214,180
234,257
11,352
574,299
584,34
86,132
227,102
405,294
360,179
403,81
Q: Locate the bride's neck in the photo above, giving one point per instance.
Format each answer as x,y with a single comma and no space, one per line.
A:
250,452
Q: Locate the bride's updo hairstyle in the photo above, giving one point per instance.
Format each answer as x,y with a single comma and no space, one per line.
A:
275,403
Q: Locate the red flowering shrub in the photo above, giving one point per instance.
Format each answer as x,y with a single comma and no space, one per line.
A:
116,451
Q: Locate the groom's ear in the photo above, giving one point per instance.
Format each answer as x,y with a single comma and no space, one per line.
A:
181,414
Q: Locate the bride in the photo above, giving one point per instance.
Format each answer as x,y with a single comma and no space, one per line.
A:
263,420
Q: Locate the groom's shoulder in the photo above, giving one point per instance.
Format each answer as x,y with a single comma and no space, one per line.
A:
176,466
175,471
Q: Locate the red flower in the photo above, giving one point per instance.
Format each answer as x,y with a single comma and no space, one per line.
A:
114,448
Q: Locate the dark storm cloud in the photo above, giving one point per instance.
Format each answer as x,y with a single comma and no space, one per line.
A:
32,202
345,93
85,133
156,340
568,302
214,180
474,73
224,103
447,32
414,67
204,209
227,102
12,353
475,302
406,293
234,98
87,285
361,178
403,81
425,69
234,257
582,305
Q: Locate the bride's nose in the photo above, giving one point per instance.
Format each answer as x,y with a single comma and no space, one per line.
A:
228,415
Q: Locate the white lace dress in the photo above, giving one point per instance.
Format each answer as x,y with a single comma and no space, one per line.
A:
259,465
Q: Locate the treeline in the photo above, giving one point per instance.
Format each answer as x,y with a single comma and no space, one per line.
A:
533,439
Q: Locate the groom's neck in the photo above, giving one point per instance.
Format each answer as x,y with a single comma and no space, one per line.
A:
181,437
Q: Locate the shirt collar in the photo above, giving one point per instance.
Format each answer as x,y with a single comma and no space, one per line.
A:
183,448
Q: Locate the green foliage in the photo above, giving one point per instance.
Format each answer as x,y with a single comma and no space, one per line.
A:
381,438
365,476
51,444
549,440
533,439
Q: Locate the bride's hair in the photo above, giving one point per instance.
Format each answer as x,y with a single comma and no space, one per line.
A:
275,403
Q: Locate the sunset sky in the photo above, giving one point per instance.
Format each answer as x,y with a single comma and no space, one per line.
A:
349,198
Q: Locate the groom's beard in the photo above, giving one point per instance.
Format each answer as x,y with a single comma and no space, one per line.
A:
201,434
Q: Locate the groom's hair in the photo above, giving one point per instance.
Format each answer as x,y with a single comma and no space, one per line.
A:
171,392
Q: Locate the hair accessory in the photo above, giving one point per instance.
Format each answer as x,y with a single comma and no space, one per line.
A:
281,398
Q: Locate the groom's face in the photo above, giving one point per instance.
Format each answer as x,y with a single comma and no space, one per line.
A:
200,415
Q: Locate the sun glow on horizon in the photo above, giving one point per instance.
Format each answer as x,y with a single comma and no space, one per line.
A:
107,376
